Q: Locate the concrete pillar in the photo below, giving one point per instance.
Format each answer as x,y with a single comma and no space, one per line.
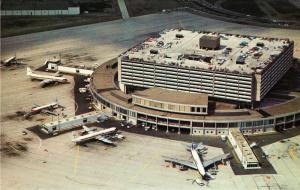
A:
167,126
125,88
156,124
294,121
227,128
216,129
178,132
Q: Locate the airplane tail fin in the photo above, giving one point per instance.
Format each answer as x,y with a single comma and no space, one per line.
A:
29,72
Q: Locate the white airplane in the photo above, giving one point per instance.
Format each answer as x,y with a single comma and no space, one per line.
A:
103,135
10,61
47,109
46,79
197,163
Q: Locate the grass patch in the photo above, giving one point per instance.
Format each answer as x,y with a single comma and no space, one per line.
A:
243,6
142,7
212,1
15,25
284,7
96,11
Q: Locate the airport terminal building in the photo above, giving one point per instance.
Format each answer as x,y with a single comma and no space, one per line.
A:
224,66
168,82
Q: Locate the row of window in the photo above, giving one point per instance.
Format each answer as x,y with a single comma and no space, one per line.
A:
216,87
192,88
210,92
168,106
175,77
253,165
181,69
271,80
188,83
198,110
284,60
132,69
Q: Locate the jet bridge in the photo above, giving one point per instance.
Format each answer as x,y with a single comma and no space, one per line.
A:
69,70
243,149
58,126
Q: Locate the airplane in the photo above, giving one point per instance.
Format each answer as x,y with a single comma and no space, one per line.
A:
11,61
198,164
46,79
43,109
103,135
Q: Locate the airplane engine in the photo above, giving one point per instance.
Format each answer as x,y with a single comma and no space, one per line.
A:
183,168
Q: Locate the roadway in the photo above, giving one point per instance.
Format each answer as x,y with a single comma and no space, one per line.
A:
123,9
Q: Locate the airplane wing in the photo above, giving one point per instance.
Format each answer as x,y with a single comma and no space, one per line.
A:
27,115
209,162
104,140
61,106
46,81
49,112
57,74
35,105
181,162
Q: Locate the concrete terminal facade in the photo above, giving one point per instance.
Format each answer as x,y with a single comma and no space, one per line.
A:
230,67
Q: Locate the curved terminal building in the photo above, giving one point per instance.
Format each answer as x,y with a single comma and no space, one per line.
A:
172,101
172,81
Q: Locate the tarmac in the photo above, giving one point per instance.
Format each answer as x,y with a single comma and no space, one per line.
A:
285,157
29,162
104,41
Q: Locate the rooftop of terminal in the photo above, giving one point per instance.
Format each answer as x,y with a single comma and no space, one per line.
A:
172,96
234,53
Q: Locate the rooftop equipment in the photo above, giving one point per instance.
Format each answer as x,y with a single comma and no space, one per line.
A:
154,51
179,36
244,43
209,42
240,60
260,44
